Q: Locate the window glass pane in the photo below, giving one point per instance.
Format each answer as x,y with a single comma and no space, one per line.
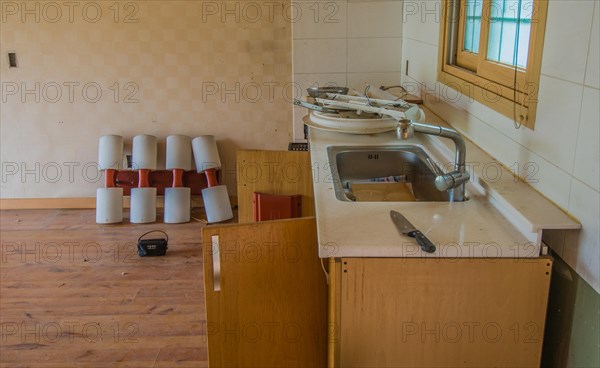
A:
472,25
510,26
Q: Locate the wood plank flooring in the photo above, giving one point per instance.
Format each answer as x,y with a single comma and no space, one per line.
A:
75,294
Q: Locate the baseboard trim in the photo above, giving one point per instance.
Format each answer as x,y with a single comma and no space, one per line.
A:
78,203
47,203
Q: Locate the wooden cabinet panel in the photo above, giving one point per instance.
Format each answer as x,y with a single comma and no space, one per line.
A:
442,312
273,172
268,307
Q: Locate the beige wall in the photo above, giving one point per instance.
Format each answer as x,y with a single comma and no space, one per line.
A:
162,67
560,157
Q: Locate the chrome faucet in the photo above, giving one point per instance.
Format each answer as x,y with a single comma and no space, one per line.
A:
453,181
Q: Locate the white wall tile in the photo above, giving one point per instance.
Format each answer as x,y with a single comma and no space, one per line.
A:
499,146
582,252
554,144
319,56
566,44
359,80
323,52
374,54
587,157
301,83
421,20
422,64
375,19
555,133
592,74
544,176
538,172
319,19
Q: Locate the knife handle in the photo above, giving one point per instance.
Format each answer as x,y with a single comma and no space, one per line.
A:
426,244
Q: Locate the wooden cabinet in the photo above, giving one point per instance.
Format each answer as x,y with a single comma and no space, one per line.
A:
266,295
414,312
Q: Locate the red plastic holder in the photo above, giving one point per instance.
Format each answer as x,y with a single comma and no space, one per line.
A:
161,179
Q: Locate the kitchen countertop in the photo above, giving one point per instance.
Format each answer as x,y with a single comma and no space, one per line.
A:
503,217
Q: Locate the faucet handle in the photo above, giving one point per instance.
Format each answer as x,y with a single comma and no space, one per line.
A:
451,180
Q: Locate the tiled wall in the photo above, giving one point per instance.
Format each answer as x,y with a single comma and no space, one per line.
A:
345,43
560,157
154,67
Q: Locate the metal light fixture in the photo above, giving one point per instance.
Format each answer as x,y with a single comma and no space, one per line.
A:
215,197
109,200
178,197
143,198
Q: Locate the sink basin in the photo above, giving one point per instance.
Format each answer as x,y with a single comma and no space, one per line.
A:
384,173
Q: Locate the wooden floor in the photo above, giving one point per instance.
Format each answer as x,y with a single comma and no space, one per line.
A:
75,294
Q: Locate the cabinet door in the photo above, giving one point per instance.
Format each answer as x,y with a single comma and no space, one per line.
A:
442,312
266,295
273,172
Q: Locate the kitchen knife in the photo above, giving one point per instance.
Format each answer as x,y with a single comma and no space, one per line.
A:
405,227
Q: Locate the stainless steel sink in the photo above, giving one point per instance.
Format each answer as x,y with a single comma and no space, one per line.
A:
367,164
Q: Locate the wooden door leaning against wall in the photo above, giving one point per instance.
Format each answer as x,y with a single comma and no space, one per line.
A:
273,172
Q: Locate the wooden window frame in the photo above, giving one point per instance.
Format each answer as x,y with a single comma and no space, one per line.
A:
465,59
485,81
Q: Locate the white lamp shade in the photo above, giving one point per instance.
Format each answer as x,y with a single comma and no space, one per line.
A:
179,152
206,154
143,205
177,205
109,205
144,152
110,152
216,204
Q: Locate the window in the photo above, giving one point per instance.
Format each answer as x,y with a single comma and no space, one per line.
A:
491,51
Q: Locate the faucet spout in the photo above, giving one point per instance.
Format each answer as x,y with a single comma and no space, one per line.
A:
455,180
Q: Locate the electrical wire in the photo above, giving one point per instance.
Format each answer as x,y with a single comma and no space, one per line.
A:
517,124
392,104
325,271
366,93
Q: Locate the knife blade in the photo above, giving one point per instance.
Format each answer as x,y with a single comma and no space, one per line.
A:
405,227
